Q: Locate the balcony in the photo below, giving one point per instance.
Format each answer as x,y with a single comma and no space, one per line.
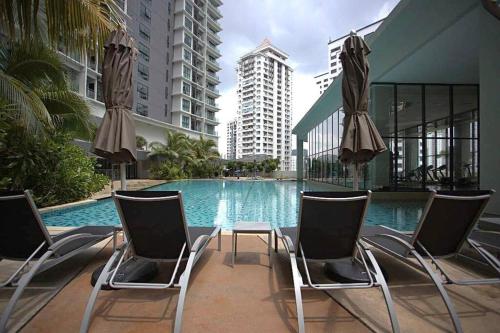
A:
213,24
214,37
214,11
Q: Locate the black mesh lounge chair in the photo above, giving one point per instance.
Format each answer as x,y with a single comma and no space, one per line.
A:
445,226
328,232
156,230
24,237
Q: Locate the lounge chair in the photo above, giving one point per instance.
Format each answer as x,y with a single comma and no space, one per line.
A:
24,237
156,231
328,232
445,226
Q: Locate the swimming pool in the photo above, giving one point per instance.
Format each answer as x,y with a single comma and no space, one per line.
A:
223,202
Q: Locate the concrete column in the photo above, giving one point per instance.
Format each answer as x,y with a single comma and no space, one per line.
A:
489,106
300,159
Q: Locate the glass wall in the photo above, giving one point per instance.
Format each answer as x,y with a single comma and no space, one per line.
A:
432,132
323,164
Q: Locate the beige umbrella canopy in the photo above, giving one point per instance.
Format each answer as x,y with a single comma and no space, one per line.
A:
115,138
361,141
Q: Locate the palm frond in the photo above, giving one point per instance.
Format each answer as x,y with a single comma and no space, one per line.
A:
79,25
29,108
34,64
69,111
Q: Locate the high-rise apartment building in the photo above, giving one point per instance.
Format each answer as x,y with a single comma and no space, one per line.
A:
175,80
323,80
264,113
231,139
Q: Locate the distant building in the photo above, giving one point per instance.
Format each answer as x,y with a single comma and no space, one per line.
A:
231,139
334,63
264,105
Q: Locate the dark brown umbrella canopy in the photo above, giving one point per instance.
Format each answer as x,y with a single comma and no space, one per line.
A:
115,138
361,140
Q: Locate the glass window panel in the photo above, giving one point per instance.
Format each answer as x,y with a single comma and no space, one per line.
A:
409,169
381,108
437,110
465,111
335,130
465,166
329,132
437,160
409,110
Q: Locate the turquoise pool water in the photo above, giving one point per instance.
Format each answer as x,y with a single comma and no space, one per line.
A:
223,202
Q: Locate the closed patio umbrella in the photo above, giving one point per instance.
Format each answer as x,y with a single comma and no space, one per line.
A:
361,141
115,138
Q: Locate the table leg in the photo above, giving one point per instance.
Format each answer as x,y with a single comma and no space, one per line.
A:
232,250
269,246
235,244
275,242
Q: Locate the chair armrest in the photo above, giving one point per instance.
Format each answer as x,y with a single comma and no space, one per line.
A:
57,245
397,239
289,244
198,243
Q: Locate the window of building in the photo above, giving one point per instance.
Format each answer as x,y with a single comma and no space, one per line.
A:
145,13
186,105
144,51
144,32
186,88
143,91
187,55
189,8
186,72
188,24
188,40
142,109
185,121
143,71
166,92
166,110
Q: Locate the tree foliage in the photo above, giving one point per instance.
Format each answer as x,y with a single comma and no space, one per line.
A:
183,157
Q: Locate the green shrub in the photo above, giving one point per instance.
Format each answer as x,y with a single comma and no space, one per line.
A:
166,170
56,170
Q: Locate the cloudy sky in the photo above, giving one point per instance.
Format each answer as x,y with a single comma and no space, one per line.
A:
301,28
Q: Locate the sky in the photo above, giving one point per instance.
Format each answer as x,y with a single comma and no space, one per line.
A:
301,28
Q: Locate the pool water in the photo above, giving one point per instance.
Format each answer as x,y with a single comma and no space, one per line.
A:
223,202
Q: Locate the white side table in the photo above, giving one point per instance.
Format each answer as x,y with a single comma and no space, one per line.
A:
242,227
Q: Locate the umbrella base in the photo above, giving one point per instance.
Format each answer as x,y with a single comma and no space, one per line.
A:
134,270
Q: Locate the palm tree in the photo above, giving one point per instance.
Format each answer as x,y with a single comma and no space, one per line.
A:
33,84
177,149
80,25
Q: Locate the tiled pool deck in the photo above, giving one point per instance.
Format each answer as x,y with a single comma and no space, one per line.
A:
253,298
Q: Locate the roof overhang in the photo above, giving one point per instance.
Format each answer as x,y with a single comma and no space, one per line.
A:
421,41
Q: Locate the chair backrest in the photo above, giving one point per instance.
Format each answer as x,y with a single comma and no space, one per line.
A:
447,220
22,230
330,222
154,223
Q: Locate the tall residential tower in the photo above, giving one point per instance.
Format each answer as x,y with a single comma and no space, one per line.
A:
175,80
264,113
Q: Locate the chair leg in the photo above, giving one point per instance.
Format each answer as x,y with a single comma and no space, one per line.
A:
385,291
297,282
184,281
444,295
23,283
93,296
219,240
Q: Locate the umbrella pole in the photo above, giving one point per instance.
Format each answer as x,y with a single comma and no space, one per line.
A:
355,180
123,176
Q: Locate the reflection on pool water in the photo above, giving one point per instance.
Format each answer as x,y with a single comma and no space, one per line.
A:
223,202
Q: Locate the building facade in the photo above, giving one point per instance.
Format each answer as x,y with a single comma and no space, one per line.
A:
231,139
438,116
334,63
175,71
264,113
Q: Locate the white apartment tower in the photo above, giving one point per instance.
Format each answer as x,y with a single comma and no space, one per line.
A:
195,65
264,113
323,80
231,139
